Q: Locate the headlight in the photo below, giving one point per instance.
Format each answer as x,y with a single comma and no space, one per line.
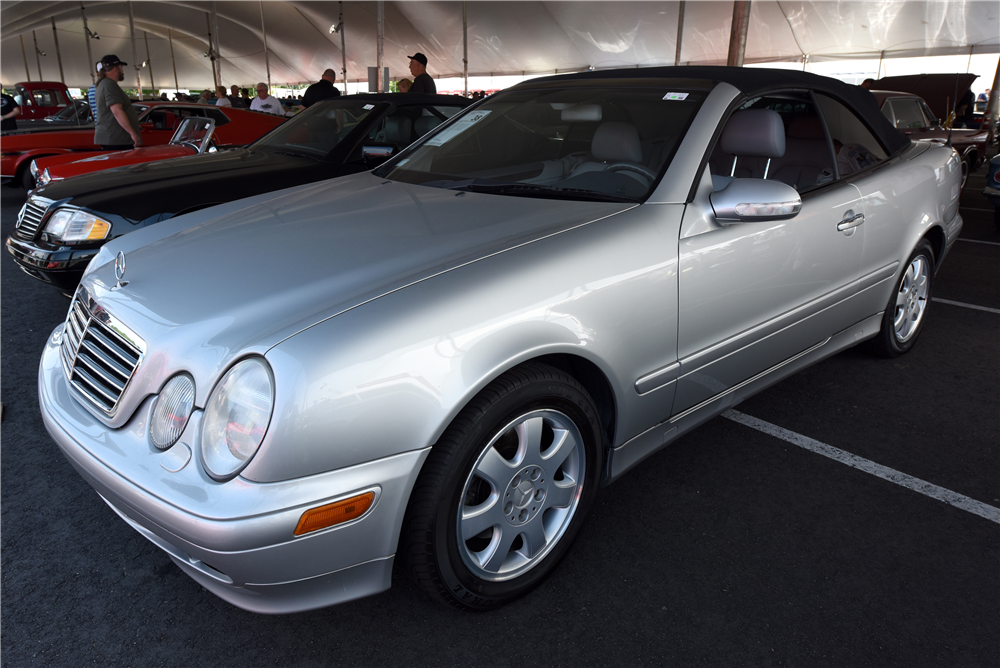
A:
236,418
70,225
42,179
171,412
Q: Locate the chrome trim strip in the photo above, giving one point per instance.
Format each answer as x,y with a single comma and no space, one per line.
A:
657,379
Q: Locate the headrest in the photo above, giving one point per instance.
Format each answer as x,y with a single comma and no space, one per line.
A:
397,128
425,124
755,133
615,141
581,112
806,127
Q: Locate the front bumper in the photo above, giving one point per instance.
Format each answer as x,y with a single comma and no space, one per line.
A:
61,267
234,538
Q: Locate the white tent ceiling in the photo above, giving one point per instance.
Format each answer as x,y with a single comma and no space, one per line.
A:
503,37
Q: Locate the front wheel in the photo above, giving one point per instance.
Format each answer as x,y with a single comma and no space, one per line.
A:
904,314
505,490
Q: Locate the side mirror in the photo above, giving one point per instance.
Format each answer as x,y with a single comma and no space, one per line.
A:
147,126
376,154
755,200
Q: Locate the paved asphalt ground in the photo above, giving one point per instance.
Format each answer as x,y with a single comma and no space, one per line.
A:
733,547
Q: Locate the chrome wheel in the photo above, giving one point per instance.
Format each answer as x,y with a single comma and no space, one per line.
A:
911,299
521,495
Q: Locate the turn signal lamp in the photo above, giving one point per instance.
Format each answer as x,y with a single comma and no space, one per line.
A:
334,513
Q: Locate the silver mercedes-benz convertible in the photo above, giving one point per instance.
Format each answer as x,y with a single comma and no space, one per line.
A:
441,361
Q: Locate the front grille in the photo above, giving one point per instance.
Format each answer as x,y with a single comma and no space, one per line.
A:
31,217
100,355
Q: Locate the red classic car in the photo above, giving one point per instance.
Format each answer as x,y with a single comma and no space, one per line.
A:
157,121
193,136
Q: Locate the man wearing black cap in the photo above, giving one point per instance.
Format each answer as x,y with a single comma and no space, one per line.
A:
422,82
117,124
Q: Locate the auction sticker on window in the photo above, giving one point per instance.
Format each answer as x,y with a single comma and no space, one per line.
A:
457,128
675,96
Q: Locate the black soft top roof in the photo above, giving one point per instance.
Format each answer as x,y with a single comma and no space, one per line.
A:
753,82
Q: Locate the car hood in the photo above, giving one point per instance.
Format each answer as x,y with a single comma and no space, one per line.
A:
65,166
245,275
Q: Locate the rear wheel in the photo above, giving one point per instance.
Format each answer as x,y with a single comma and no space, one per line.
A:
27,178
505,490
907,307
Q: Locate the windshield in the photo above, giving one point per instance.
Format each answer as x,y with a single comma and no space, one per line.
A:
573,143
317,130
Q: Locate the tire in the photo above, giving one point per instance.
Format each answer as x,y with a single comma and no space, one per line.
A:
27,180
907,308
505,490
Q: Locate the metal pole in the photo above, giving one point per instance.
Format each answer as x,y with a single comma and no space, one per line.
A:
25,54
86,37
38,56
149,62
263,29
380,18
738,35
135,52
172,61
465,48
680,32
215,47
55,36
211,46
343,48
881,57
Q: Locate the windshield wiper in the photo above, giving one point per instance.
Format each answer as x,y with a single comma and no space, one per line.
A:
532,190
291,153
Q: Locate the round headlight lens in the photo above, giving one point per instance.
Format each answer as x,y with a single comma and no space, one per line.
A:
236,418
171,412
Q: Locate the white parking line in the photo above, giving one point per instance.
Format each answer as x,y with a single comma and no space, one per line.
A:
969,208
921,486
977,241
978,308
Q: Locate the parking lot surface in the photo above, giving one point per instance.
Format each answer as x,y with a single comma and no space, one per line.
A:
742,544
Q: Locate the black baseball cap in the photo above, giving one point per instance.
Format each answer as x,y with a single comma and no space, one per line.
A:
110,61
420,58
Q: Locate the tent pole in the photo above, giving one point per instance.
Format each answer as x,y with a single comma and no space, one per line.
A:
86,37
465,48
211,47
25,54
149,62
263,29
343,48
680,32
55,36
380,30
881,57
216,48
738,35
135,53
173,62
38,56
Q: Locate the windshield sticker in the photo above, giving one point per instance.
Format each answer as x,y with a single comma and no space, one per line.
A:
675,96
368,107
457,128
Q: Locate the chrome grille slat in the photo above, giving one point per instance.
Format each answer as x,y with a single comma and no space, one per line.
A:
99,354
31,218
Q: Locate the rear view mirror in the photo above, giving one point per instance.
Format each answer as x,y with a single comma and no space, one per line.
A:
376,154
753,200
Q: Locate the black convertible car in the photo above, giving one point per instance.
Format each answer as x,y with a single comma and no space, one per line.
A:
64,224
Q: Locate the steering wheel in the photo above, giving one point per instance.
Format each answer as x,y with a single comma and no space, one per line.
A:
632,167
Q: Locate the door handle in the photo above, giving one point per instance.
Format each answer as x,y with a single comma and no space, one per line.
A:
851,220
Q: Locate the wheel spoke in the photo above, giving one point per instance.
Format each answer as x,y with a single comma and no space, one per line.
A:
529,435
563,445
494,469
493,557
561,495
477,519
534,538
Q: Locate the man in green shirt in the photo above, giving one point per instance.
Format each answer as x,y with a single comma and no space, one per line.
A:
117,126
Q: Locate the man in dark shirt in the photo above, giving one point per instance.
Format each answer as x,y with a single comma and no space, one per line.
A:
321,90
117,124
10,109
422,82
964,109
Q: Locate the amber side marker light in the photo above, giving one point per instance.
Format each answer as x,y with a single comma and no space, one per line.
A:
334,513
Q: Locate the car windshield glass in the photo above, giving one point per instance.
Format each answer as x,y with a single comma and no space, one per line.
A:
572,143
317,130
